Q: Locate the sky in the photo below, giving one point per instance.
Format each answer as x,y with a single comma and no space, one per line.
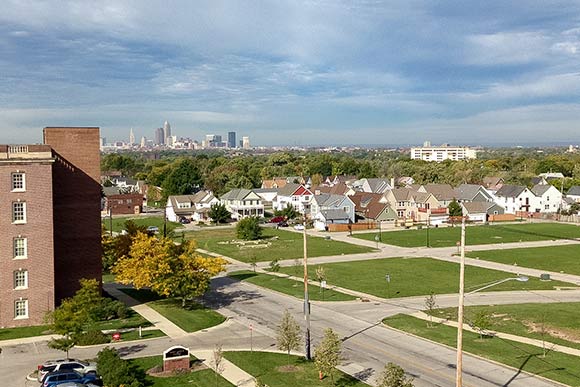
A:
294,72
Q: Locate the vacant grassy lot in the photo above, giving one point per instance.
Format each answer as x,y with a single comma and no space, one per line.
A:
416,276
477,235
554,258
119,223
271,369
193,317
276,244
201,378
290,287
556,323
556,366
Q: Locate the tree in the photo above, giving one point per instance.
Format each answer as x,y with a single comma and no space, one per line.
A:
482,322
289,212
327,353
217,362
320,274
274,266
430,305
218,213
249,229
184,178
168,269
455,208
117,372
120,245
394,376
288,334
63,344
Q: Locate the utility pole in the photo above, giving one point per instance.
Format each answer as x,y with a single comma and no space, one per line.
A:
459,376
306,300
165,222
110,222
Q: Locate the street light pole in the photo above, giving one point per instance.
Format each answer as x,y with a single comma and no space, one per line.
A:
306,299
459,375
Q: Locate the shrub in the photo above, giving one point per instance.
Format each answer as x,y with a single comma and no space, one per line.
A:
92,337
117,372
249,229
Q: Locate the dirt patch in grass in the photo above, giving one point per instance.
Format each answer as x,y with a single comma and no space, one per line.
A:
572,335
158,372
289,368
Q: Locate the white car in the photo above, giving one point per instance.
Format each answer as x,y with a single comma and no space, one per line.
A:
81,367
299,227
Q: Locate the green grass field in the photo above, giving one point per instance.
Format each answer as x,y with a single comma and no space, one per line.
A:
201,378
119,223
557,323
554,258
417,276
21,332
269,368
191,319
556,366
477,235
290,287
276,244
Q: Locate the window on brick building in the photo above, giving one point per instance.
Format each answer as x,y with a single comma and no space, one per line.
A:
18,212
21,309
18,181
21,279
20,247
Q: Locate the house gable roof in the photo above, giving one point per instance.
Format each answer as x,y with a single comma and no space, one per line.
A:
237,194
291,189
441,191
510,191
574,190
541,189
469,191
334,214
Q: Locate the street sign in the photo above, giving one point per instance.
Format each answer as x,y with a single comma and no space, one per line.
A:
116,336
323,284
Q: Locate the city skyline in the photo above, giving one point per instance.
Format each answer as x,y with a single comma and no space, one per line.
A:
296,72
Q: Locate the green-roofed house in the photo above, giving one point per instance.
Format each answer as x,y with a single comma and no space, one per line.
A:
242,203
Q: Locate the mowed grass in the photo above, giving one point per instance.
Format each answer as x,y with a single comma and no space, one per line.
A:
21,332
192,318
271,369
553,258
275,244
290,287
119,223
201,378
556,323
477,235
556,366
417,276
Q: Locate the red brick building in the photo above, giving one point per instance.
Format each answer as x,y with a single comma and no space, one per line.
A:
50,222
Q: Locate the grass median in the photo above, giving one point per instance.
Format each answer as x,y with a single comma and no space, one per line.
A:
556,366
417,276
289,287
275,244
476,235
192,318
564,259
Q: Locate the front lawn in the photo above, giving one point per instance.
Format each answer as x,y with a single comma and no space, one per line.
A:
192,318
271,369
202,378
557,323
21,332
477,235
556,366
417,276
119,223
553,258
290,287
275,244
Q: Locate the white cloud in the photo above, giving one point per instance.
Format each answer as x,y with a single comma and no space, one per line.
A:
506,48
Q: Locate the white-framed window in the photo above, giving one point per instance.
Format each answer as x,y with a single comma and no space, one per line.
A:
21,309
18,181
20,279
18,212
20,248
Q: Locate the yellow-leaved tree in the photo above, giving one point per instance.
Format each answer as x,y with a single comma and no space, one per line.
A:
168,269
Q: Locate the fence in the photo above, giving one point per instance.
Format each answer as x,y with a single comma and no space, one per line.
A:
333,227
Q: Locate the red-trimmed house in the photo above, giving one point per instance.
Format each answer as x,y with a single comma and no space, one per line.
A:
297,195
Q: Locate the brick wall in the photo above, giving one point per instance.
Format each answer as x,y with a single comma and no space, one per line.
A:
77,205
125,203
38,231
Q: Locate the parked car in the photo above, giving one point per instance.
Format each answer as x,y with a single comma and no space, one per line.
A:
282,224
153,229
298,227
277,219
58,378
184,221
82,367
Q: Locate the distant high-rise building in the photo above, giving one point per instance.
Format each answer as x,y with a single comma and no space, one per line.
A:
103,141
159,136
166,131
131,137
246,142
143,142
231,139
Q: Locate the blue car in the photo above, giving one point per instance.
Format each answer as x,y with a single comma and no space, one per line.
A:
61,377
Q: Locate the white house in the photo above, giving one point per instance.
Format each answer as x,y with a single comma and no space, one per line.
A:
472,193
321,205
574,193
193,207
515,198
548,198
479,211
374,185
296,195
242,203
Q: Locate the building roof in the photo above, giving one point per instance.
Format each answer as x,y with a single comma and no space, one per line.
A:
293,188
334,214
329,200
441,191
574,190
492,181
477,207
236,194
362,199
375,209
378,185
337,189
510,191
402,194
467,191
541,189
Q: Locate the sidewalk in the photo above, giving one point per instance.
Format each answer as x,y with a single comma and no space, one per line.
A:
520,339
231,372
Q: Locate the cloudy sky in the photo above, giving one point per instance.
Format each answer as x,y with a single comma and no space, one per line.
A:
296,72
